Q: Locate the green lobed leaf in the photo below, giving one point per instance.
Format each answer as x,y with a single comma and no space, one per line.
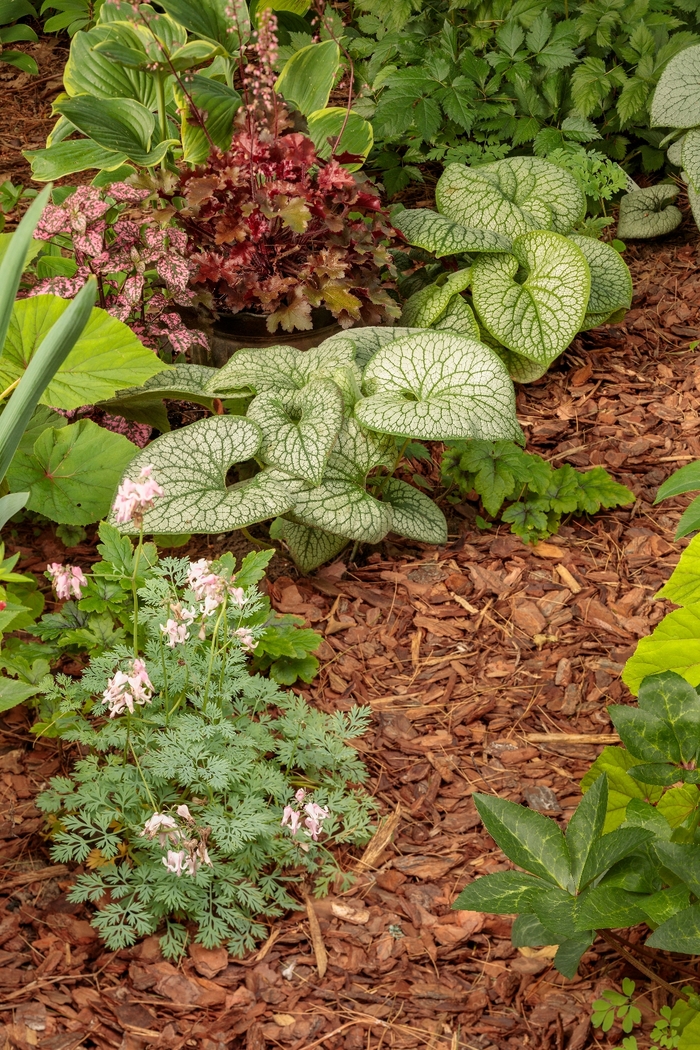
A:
676,101
503,893
611,281
106,357
427,229
414,514
310,547
683,585
648,213
527,838
511,196
539,317
307,77
673,645
425,306
13,693
436,386
73,475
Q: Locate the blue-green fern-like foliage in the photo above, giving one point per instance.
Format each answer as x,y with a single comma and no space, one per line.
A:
229,745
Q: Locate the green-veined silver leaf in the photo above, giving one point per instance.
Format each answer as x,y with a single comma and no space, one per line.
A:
648,213
425,306
694,200
344,508
437,386
520,369
414,513
539,317
365,342
182,382
611,281
459,317
310,547
191,465
674,155
690,157
511,196
358,451
299,427
427,229
676,101
260,369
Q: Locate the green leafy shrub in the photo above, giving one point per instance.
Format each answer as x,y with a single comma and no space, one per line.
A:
538,495
72,15
12,32
205,792
534,281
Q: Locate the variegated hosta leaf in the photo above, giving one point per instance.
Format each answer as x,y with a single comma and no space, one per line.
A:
256,370
344,508
191,466
611,281
674,154
427,229
437,386
511,196
424,307
299,427
358,451
365,341
690,156
459,317
520,369
649,212
676,101
310,547
414,514
539,317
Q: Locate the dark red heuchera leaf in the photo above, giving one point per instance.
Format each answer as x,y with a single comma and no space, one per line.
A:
275,230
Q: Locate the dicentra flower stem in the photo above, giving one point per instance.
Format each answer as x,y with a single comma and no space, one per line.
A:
145,784
134,590
212,653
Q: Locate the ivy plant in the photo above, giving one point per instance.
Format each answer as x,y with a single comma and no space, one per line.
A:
533,281
322,434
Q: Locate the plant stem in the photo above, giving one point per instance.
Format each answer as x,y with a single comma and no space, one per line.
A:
613,941
148,790
134,590
212,652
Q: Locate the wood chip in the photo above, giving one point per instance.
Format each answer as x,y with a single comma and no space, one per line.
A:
567,579
379,841
316,938
573,738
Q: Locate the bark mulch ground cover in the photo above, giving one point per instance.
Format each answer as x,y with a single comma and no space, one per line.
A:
488,666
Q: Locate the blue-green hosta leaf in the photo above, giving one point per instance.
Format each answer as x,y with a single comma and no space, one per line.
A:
307,77
511,196
344,508
531,841
211,20
414,514
428,229
683,585
611,281
437,386
539,317
74,472
365,342
299,427
191,465
676,101
106,357
122,125
690,157
89,73
673,645
262,369
459,317
648,213
66,158
425,306
310,547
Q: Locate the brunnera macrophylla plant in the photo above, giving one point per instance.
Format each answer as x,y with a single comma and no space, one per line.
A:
510,230
323,434
207,792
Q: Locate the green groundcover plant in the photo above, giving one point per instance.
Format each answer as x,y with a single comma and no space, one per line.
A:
206,792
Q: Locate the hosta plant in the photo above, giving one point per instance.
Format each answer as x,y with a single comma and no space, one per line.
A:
205,791
509,228
322,434
12,32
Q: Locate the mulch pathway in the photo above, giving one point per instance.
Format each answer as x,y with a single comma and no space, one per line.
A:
480,660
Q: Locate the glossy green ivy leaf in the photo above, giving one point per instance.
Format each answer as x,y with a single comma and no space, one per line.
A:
433,232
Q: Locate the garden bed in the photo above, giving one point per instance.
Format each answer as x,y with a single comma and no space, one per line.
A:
488,666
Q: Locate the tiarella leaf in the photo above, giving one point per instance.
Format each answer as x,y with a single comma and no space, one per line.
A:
433,232
414,514
539,317
531,841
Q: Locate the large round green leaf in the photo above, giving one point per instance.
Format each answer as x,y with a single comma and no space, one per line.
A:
89,73
73,474
191,465
438,386
358,451
459,317
363,343
426,229
511,196
106,357
676,101
308,76
540,315
611,281
325,124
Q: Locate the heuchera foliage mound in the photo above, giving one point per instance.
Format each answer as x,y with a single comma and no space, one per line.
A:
276,231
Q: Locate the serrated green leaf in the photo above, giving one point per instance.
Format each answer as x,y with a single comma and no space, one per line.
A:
425,306
299,427
597,489
648,213
554,907
429,230
683,585
219,103
436,386
13,692
676,101
414,514
614,762
502,893
528,839
310,547
680,933
673,645
539,316
611,281
278,368
511,196
608,907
